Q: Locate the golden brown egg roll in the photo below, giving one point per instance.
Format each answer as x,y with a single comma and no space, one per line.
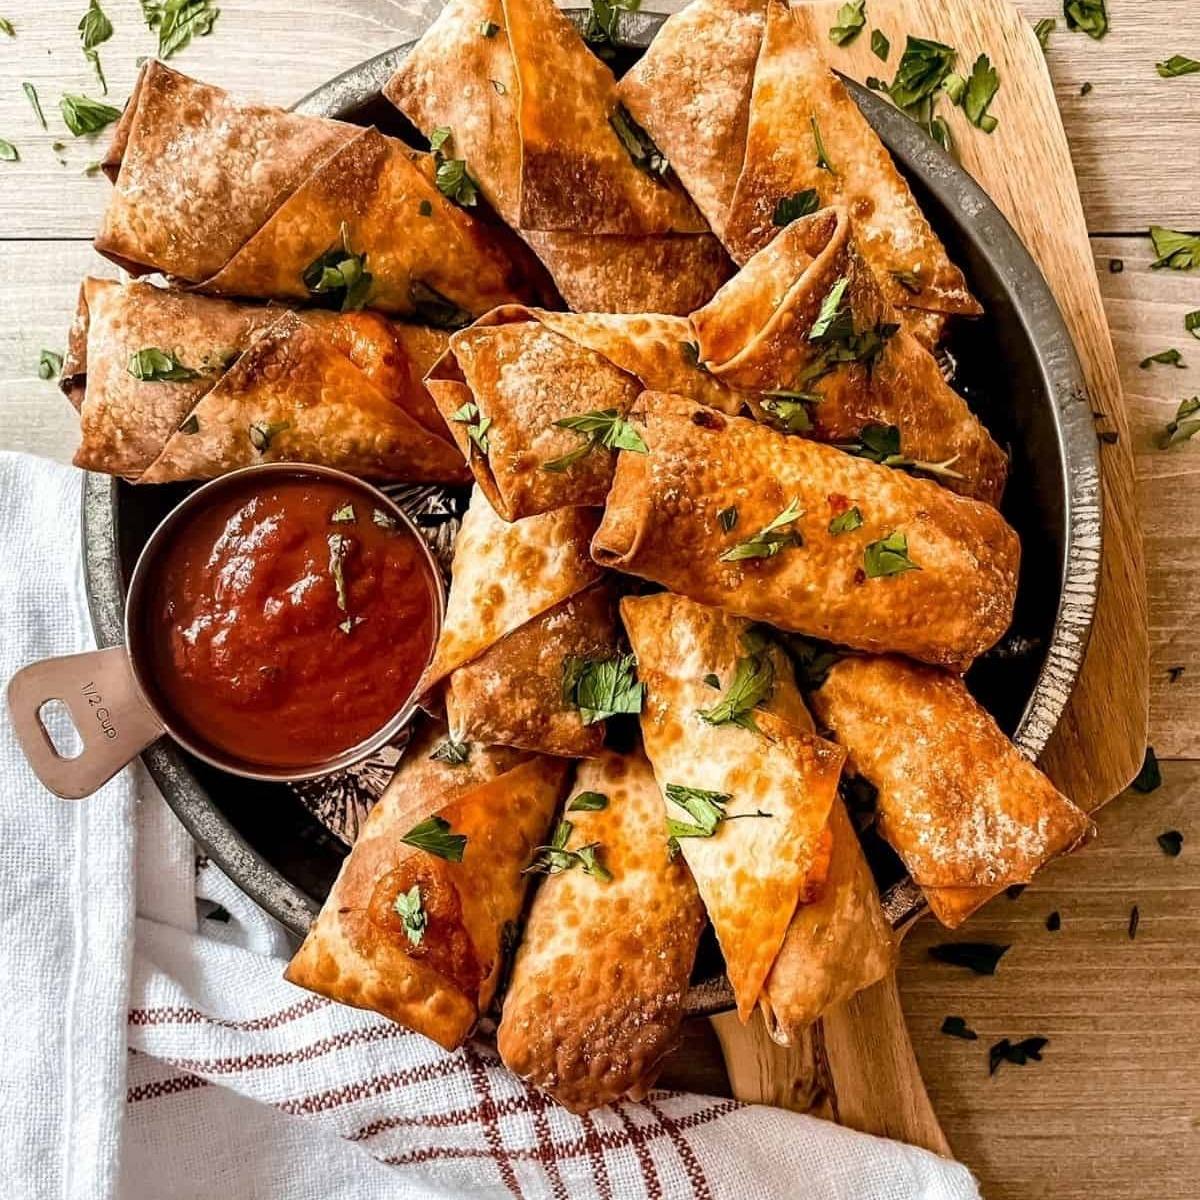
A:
748,799
805,318
525,599
415,929
967,813
596,995
525,371
172,385
245,200
807,538
736,95
534,116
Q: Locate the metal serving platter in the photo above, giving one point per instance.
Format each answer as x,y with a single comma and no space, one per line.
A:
1017,367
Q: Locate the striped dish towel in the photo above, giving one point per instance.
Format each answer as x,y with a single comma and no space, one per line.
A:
154,1051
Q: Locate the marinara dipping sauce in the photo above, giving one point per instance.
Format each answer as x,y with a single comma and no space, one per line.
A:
289,619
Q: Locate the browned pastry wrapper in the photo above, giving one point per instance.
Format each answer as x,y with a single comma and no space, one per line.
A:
755,335
358,950
240,199
596,995
963,808
530,111
838,942
341,390
729,90
524,597
662,523
780,780
524,369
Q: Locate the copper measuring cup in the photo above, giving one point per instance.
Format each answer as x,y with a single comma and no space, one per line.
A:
110,694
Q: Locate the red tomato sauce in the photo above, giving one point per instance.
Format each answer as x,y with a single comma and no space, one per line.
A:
254,647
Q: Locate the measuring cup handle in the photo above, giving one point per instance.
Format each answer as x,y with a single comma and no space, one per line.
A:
113,721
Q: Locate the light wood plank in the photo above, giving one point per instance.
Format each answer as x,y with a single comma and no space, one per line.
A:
1111,1111
1131,172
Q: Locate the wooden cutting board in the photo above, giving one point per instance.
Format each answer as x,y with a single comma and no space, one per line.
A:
857,1065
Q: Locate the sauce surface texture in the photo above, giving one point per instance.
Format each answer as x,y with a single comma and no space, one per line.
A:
289,620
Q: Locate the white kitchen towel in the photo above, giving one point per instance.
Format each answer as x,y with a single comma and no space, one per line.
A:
229,1081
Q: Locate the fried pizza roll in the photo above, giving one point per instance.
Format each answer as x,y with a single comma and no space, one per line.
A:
736,96
807,538
416,924
247,200
967,813
171,385
550,392
596,995
534,117
526,606
805,326
748,791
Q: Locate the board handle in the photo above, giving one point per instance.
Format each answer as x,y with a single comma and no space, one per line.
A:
113,721
855,1066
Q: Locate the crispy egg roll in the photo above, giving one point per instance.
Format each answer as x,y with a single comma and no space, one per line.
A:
525,599
751,796
417,932
524,371
806,317
535,118
736,515
736,95
957,801
246,200
595,999
171,386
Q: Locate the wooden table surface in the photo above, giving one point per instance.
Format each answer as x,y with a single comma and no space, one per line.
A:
1113,1110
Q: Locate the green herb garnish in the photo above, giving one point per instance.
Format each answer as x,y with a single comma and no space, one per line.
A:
1184,427
588,802
1043,29
823,163
382,519
846,522
455,183
339,547
1191,322
602,688
551,859
411,913
435,309
980,957
1087,16
880,46
93,56
752,684
1167,358
789,410
923,66
32,96
49,364
477,426
601,29
638,143
605,428
340,276
1177,65
8,152
178,21
707,812
152,365
262,433
1019,1053
1179,251
888,556
434,836
454,754
833,321
94,27
343,515
771,539
83,115
851,18
957,1027
881,444
792,208
6,26
488,29
981,90
910,281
